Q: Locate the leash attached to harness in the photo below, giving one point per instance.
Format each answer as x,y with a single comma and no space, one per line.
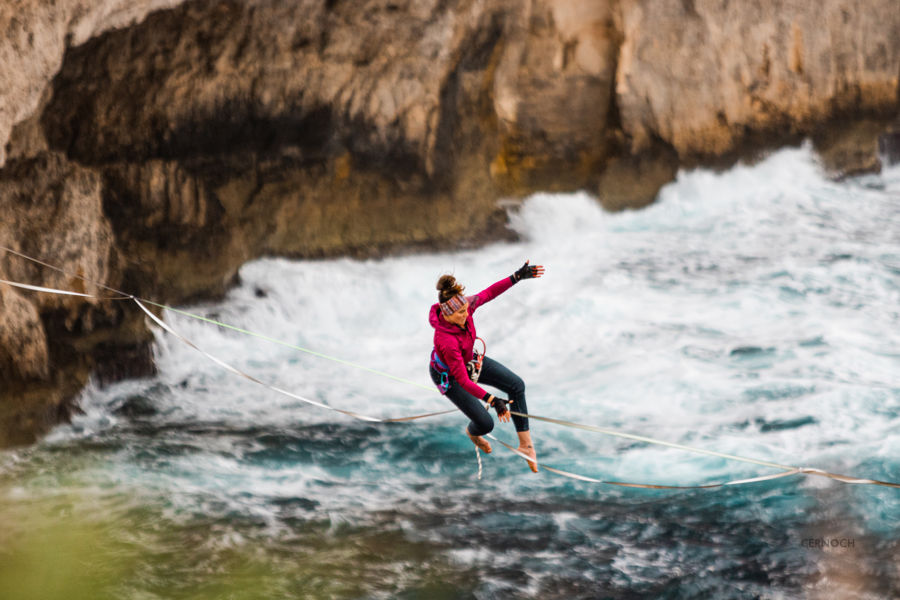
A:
473,367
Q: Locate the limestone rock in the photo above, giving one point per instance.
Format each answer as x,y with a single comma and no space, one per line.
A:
36,36
634,181
50,344
53,210
889,144
216,76
227,129
850,148
706,76
23,341
553,95
176,236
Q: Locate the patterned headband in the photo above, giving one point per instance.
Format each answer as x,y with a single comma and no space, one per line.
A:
453,304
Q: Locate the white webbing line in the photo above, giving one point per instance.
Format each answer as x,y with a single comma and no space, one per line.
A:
648,440
37,288
785,473
222,363
291,346
787,470
228,367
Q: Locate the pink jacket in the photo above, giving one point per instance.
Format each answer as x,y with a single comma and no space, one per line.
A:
453,345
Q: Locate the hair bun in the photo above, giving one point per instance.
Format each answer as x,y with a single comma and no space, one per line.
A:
446,282
447,286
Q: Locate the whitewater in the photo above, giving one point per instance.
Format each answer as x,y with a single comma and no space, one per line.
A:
754,312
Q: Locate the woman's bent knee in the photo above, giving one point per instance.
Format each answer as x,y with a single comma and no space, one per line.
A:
517,387
481,426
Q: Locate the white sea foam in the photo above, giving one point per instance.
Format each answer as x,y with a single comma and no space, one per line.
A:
751,312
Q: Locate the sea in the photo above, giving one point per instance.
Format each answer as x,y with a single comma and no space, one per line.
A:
753,312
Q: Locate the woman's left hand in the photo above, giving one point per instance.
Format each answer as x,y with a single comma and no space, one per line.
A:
528,271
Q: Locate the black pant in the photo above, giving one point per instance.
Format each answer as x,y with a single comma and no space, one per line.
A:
496,375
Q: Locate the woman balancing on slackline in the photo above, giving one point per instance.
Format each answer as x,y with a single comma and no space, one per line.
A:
453,359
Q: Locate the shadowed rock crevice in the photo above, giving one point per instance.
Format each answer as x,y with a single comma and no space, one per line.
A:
183,83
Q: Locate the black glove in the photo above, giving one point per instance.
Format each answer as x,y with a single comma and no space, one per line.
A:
499,404
527,272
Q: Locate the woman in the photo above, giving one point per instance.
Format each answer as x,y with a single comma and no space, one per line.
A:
454,340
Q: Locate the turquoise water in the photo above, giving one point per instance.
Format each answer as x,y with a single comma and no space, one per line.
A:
752,312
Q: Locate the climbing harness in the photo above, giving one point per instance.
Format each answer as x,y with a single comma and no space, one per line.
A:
443,370
786,470
473,367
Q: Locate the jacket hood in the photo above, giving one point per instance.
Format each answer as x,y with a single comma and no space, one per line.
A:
434,317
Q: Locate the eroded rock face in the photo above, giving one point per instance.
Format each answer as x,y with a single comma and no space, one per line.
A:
554,89
23,341
850,148
889,144
52,208
158,150
229,129
706,76
36,35
553,96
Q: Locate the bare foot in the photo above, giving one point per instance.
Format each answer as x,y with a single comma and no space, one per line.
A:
529,451
480,442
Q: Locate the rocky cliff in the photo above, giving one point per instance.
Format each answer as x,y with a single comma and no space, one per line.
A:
156,145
